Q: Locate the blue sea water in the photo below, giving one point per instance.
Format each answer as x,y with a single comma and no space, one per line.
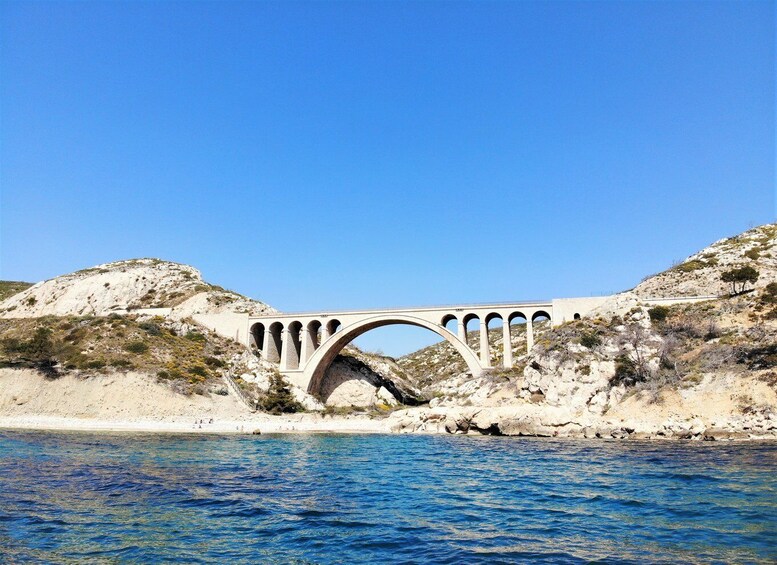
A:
79,498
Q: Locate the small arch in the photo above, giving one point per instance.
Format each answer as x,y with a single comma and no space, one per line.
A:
447,319
493,316
494,322
332,326
274,343
576,316
314,333
517,321
540,316
256,339
466,320
515,317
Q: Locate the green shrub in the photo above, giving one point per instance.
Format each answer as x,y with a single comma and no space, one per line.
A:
590,340
136,347
279,399
198,370
150,328
753,254
195,336
625,372
759,357
95,364
692,265
658,313
770,293
213,362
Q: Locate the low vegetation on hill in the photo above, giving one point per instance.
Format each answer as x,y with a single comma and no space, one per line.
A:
700,274
185,356
438,362
9,288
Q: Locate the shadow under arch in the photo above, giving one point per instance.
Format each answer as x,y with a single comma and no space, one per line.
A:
322,358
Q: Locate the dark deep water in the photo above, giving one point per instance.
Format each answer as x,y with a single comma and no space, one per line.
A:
79,497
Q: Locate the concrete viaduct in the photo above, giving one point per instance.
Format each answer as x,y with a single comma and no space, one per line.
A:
304,345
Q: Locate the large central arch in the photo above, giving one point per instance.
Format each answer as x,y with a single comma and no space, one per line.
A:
319,362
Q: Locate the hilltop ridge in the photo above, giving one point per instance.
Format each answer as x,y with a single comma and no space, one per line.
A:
125,286
699,274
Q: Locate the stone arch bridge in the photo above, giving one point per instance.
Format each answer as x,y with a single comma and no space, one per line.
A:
304,345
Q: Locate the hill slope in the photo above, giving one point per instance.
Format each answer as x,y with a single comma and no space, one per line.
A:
700,273
686,370
136,316
125,286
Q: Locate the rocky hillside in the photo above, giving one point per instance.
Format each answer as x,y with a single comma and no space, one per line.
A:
135,317
637,370
124,287
634,368
699,274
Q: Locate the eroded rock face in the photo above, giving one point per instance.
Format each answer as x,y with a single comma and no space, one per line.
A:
357,379
532,422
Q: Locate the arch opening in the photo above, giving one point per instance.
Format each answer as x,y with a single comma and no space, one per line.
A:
274,342
257,336
332,327
293,347
467,320
576,316
540,316
312,339
518,333
494,338
325,355
450,323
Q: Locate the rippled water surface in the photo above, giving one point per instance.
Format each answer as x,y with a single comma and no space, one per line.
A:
67,497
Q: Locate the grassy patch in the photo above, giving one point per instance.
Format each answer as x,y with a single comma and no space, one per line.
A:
9,288
93,345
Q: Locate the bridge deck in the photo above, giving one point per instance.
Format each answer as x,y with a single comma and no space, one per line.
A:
446,308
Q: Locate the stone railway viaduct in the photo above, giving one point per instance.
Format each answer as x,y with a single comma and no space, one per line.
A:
305,344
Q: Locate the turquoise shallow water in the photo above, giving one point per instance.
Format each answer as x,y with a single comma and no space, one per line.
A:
77,497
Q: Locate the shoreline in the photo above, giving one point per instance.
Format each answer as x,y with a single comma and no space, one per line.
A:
263,425
304,424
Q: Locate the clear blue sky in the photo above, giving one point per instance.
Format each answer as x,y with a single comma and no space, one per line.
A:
333,155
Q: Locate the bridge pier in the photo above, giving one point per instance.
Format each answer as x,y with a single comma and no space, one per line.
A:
529,335
507,345
485,354
273,343
309,339
290,357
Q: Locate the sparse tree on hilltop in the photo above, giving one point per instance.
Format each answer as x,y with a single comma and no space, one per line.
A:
738,278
